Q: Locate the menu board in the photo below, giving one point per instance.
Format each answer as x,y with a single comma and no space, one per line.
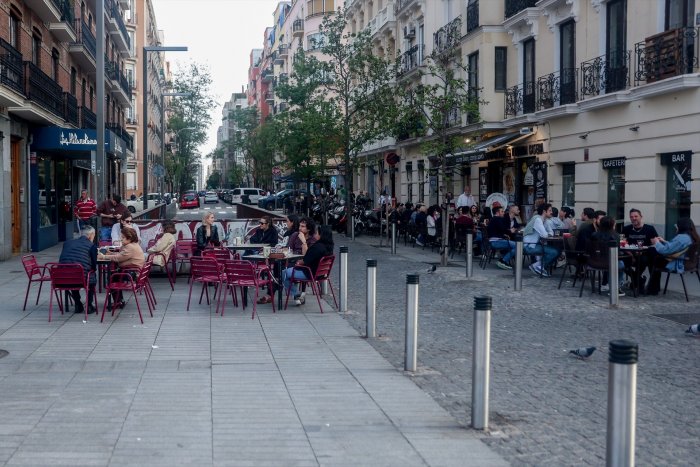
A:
483,183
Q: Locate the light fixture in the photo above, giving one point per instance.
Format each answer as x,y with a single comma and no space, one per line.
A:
634,128
584,136
467,140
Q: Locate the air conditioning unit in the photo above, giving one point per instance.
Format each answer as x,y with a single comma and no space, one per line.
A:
526,130
409,32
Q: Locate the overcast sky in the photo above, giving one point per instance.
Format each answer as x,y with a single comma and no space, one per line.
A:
220,34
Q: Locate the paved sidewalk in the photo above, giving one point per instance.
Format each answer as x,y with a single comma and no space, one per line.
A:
193,388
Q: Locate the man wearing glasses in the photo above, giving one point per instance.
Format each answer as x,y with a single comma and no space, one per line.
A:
124,222
266,233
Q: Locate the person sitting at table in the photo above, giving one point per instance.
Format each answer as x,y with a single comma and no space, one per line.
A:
207,234
566,214
126,221
533,233
583,235
292,222
164,245
672,254
602,237
555,222
130,256
640,234
516,222
499,233
82,250
323,246
304,237
265,233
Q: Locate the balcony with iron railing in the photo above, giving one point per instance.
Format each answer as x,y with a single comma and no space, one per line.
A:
117,27
384,17
41,89
70,109
513,7
558,88
605,74
667,54
88,118
11,69
520,99
448,37
64,29
119,80
298,27
411,59
472,16
84,49
401,5
48,10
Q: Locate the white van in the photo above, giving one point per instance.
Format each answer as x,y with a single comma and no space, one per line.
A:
253,195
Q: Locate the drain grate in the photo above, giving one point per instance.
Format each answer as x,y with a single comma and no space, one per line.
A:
4,353
682,318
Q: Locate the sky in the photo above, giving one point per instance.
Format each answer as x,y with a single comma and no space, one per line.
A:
220,34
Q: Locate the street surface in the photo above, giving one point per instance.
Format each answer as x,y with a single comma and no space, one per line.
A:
546,406
220,209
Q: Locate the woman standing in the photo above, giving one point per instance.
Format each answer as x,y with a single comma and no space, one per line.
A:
207,234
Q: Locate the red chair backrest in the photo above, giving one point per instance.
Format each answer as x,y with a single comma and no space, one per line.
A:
324,267
31,266
144,272
151,243
238,271
220,254
184,248
67,275
204,266
105,242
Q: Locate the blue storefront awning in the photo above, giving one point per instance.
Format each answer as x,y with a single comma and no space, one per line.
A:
77,141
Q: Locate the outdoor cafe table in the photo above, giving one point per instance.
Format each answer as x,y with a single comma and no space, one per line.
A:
247,246
636,253
278,269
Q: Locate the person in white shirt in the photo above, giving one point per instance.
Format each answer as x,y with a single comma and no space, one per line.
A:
124,222
466,198
535,231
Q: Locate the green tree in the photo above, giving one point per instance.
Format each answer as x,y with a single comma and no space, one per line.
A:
264,144
241,141
189,120
436,105
214,180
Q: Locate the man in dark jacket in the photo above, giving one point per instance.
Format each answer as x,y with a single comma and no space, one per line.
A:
82,250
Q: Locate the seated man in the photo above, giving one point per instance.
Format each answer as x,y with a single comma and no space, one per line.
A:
499,233
533,233
640,234
587,230
82,250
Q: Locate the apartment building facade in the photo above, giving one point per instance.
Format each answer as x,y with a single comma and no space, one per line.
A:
47,114
585,102
226,131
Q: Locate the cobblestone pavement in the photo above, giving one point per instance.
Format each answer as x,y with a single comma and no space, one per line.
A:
546,407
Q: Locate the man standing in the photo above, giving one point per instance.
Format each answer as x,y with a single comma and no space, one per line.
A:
466,198
499,233
85,208
535,231
111,210
83,251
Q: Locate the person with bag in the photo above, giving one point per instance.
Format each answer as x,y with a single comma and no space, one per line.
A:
671,254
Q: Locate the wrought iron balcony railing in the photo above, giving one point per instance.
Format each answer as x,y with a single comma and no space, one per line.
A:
520,99
558,88
116,14
88,118
67,13
401,4
85,37
70,109
472,16
298,26
40,88
513,7
11,70
411,59
605,74
667,54
448,37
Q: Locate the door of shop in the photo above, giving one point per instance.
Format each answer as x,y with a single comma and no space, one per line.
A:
16,169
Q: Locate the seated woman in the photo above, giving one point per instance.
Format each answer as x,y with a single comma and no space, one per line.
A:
265,233
130,256
671,254
323,246
164,245
292,222
207,234
124,222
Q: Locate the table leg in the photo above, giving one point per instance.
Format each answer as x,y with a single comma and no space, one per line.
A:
278,272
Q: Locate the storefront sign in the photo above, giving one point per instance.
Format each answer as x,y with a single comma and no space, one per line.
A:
613,162
55,138
679,165
539,171
676,158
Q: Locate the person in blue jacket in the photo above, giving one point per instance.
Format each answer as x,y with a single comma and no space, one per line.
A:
671,254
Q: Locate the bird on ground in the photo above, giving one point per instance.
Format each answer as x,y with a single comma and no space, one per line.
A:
583,352
432,269
693,330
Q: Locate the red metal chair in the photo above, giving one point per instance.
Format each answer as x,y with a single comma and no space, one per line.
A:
220,254
121,282
205,271
168,273
102,243
323,273
35,273
66,278
244,274
181,254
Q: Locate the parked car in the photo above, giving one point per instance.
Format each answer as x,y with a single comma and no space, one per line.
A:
253,194
210,197
278,200
189,200
137,204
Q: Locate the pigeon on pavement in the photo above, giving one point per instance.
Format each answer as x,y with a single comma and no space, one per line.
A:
583,352
693,330
432,269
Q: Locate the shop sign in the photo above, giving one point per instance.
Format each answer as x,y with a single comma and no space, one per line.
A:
75,138
539,171
679,165
528,150
614,162
676,158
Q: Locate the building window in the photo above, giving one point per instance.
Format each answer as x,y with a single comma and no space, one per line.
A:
529,76
678,185
36,50
73,80
55,59
616,49
92,96
616,190
83,90
473,84
568,185
678,14
409,181
421,181
315,41
500,68
317,7
567,62
14,30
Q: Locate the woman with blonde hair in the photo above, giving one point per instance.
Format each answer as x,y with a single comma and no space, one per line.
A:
207,234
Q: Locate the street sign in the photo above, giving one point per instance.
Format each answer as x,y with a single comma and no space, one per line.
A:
158,170
276,171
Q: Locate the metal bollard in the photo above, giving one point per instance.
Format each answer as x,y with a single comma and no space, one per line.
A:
518,286
470,255
613,281
371,298
343,279
324,288
622,403
351,219
393,238
411,360
480,362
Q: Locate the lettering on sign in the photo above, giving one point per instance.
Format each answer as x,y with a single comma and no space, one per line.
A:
535,149
614,162
676,158
73,139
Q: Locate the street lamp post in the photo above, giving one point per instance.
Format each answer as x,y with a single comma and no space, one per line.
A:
146,50
162,129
